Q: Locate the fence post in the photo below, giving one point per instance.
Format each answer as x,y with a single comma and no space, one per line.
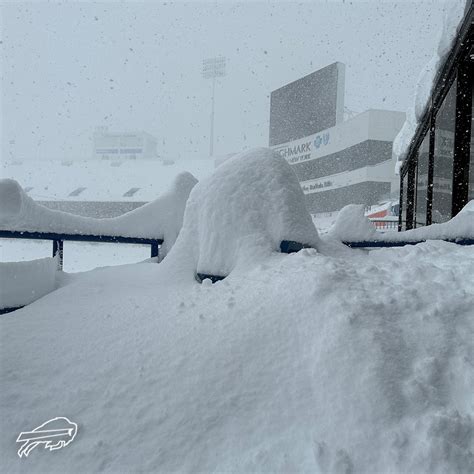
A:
59,249
154,250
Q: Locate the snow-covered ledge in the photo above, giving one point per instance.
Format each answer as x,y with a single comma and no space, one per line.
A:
353,226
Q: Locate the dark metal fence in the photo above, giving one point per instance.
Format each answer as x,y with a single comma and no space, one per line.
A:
285,247
59,239
401,243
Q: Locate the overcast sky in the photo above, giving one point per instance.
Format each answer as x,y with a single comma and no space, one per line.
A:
68,67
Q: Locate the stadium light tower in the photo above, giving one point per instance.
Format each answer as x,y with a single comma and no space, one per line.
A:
211,69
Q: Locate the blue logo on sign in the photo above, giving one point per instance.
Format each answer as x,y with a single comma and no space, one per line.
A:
321,140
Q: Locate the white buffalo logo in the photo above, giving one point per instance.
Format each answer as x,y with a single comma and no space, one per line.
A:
54,434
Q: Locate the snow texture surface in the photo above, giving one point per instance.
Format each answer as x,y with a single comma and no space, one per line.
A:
460,226
161,219
426,81
242,212
24,282
352,225
306,363
330,360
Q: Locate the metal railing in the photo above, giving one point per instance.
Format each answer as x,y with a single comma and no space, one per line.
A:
285,247
401,243
59,239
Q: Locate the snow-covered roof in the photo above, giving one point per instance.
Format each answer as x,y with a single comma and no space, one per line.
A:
95,180
453,19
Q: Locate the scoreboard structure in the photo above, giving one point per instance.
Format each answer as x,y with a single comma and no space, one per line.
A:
308,105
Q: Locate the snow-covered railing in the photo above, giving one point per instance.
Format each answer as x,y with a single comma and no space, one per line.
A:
400,243
156,224
355,230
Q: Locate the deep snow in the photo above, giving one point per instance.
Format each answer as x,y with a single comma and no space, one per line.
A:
308,362
24,282
351,225
328,360
241,213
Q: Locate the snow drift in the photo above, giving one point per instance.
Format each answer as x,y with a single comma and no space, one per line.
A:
161,219
309,362
242,212
353,226
305,363
24,282
461,226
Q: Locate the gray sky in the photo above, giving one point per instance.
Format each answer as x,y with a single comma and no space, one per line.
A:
68,67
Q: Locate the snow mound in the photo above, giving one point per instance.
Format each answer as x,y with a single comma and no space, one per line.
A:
352,225
461,226
159,219
242,212
426,80
24,282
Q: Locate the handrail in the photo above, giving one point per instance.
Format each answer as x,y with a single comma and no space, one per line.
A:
401,243
23,234
58,240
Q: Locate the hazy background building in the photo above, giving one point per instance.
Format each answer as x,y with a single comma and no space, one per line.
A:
123,145
337,162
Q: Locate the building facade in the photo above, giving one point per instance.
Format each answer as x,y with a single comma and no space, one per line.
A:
437,176
350,163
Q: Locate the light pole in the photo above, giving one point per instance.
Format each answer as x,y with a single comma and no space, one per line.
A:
212,68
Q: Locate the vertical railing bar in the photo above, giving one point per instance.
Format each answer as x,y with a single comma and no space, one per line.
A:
154,249
58,248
